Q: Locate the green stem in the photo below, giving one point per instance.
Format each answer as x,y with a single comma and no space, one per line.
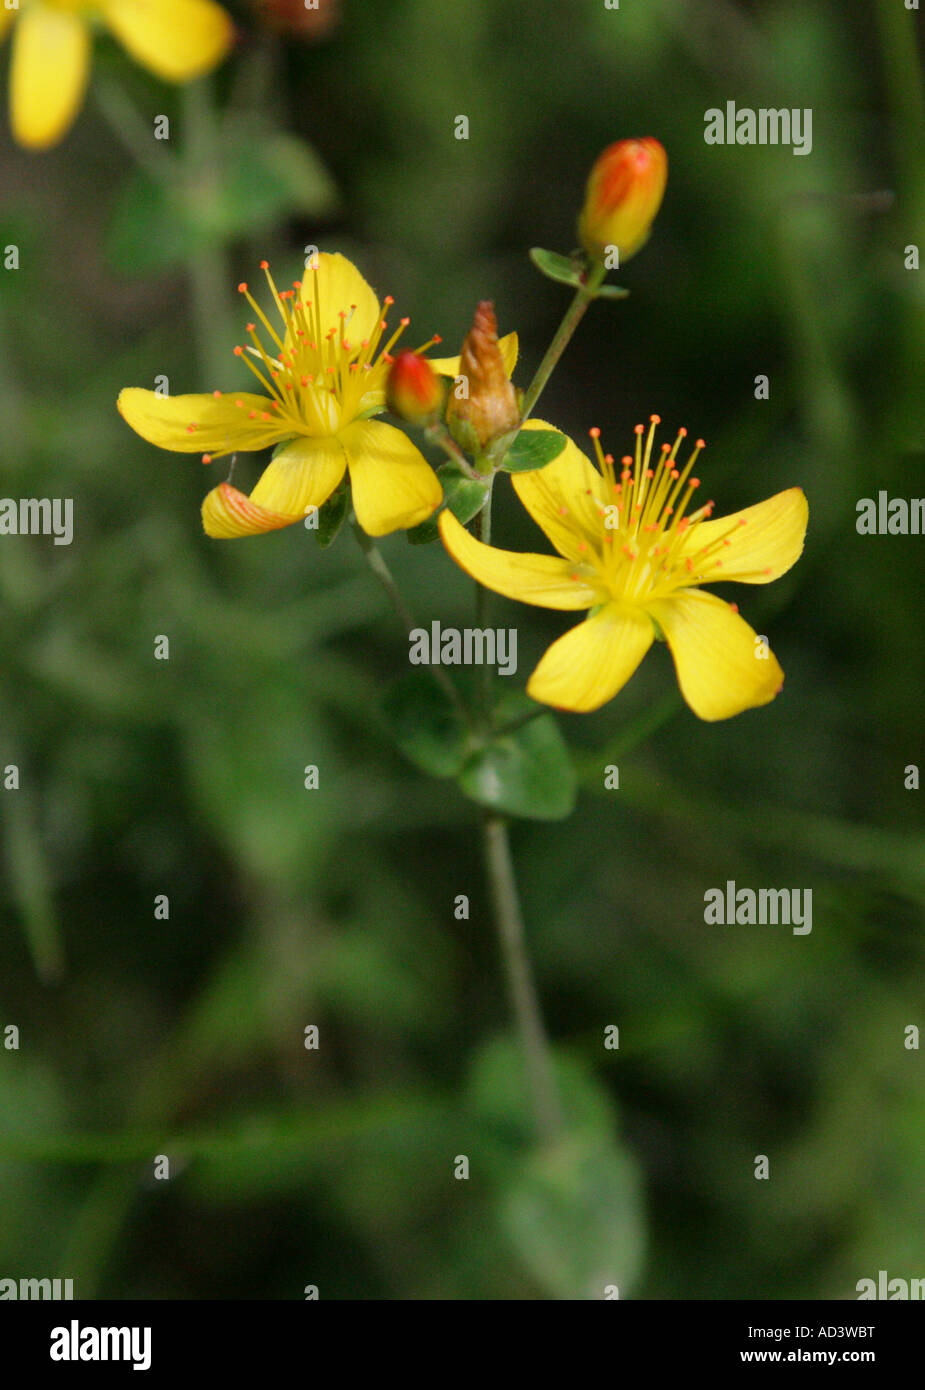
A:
31,885
541,1081
206,263
499,865
573,316
514,724
382,572
133,132
440,435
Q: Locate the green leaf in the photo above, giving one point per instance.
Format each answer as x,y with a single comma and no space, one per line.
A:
425,724
267,179
533,449
526,772
571,1210
331,515
148,231
464,496
567,270
271,177
612,292
574,1217
498,1093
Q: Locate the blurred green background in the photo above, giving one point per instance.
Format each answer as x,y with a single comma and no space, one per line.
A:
184,777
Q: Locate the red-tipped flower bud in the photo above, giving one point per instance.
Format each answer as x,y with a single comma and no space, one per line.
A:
487,406
413,390
625,191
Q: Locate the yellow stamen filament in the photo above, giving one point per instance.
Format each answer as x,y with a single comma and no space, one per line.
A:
635,535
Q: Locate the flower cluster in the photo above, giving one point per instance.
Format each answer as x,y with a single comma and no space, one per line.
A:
634,545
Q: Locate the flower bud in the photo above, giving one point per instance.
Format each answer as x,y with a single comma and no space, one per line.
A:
413,390
625,191
483,400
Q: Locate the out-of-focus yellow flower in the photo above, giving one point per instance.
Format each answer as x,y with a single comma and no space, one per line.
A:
632,555
175,39
625,191
324,374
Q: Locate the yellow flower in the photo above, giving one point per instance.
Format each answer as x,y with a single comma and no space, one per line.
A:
632,554
324,376
176,39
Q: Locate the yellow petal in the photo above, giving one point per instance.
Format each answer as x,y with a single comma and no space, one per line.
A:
227,514
764,540
220,425
48,75
717,656
303,474
564,498
339,288
175,39
585,668
392,483
508,347
546,580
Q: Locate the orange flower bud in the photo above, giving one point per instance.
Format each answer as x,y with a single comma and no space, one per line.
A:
625,191
413,389
483,400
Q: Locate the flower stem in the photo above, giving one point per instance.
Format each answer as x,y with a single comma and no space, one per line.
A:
382,572
499,866
133,132
573,316
438,434
206,261
544,1093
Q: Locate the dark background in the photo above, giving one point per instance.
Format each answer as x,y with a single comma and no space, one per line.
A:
287,907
